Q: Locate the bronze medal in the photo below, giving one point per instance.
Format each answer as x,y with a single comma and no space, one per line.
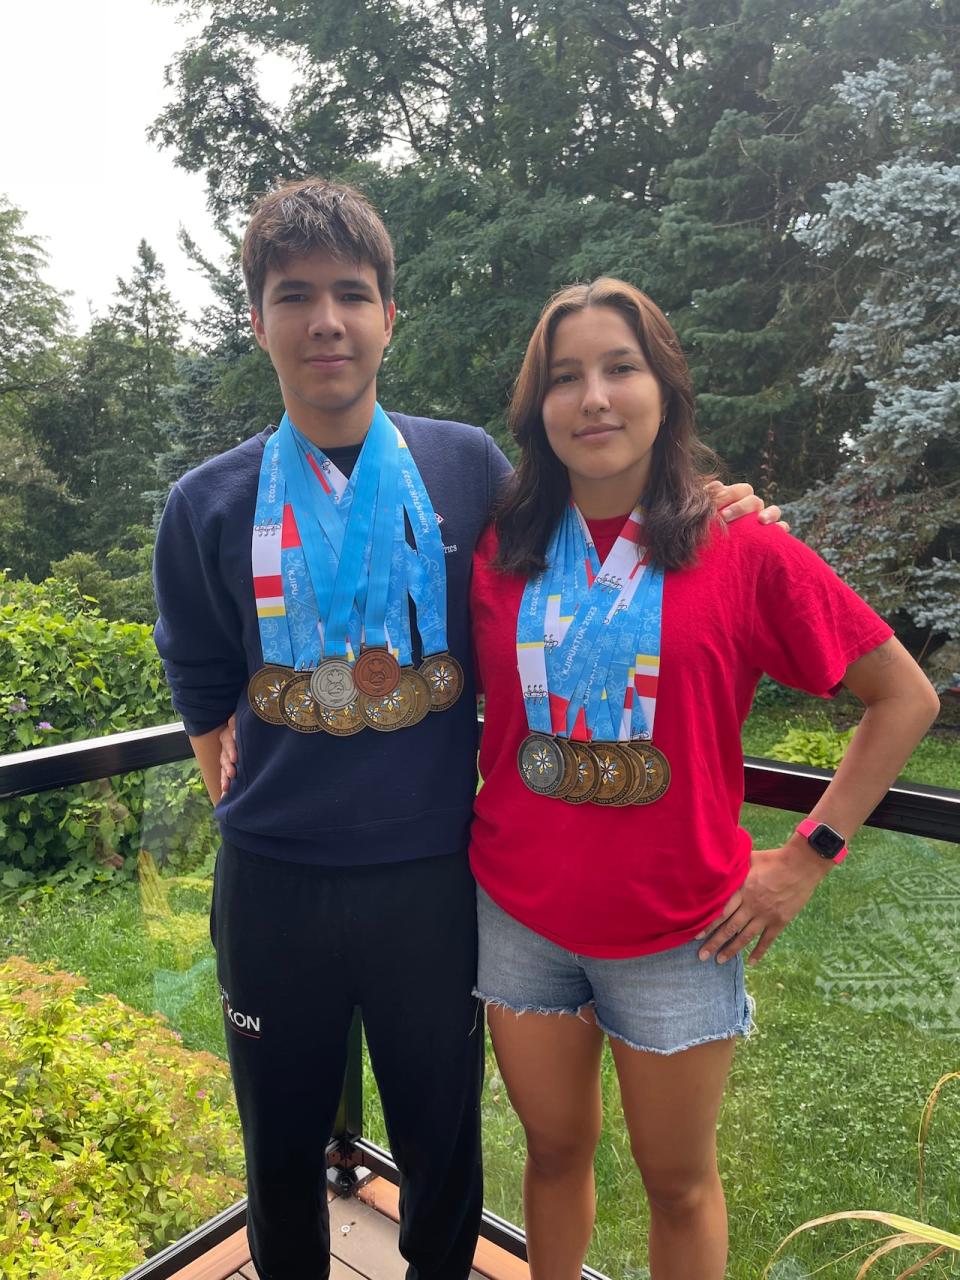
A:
297,705
393,711
342,722
618,772
570,769
444,675
542,763
635,793
376,673
413,681
264,690
332,684
587,778
656,768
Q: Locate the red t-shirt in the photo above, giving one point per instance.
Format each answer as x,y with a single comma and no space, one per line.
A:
607,881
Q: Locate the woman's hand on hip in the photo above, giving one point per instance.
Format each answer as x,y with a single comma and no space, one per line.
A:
780,883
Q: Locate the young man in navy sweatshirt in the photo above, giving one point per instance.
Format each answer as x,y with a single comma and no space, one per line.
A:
343,879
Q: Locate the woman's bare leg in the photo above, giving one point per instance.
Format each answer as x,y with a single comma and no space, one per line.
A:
550,1064
671,1103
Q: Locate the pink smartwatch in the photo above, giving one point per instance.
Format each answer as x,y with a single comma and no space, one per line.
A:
829,844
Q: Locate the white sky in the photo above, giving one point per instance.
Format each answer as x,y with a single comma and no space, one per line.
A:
81,81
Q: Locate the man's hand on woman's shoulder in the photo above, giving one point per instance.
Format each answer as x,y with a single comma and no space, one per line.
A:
735,500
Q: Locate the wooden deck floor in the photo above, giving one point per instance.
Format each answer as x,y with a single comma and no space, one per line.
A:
363,1236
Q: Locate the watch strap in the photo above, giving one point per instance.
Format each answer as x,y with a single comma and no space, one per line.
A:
808,826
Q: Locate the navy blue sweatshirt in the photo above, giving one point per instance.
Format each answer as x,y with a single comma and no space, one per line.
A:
372,797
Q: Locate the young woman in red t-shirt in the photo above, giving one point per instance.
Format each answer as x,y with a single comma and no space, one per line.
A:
616,890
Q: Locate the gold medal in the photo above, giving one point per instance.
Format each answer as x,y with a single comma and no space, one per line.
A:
393,711
376,673
570,769
618,772
342,722
542,763
412,681
298,706
656,769
587,778
444,675
264,689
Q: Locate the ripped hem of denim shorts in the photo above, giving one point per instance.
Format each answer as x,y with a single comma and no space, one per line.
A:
497,1003
743,1029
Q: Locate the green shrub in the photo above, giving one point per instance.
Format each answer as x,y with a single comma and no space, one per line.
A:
771,695
120,582
67,673
822,748
114,1139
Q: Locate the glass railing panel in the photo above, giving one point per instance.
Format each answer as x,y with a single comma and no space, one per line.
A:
132,1120
858,1016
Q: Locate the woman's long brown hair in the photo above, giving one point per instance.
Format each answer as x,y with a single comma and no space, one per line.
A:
677,511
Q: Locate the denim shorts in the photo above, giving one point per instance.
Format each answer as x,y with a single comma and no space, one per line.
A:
661,1003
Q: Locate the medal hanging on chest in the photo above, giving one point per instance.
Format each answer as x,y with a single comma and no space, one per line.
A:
334,578
588,656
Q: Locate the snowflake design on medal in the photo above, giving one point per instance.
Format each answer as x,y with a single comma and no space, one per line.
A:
393,703
302,703
388,709
270,693
542,762
609,770
442,679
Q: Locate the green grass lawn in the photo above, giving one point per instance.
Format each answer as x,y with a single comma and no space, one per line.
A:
858,1015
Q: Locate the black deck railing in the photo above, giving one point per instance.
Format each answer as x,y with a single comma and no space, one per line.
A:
910,808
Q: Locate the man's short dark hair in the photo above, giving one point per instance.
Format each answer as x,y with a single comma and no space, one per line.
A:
300,217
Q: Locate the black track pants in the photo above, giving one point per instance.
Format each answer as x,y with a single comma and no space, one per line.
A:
299,946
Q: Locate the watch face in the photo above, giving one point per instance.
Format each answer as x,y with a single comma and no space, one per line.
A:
826,841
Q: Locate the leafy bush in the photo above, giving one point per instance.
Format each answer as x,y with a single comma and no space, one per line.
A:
114,1139
120,582
822,748
773,695
67,673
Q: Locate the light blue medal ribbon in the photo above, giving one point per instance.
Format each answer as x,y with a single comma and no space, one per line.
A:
268,520
354,559
321,536
302,643
571,663
630,642
584,684
530,635
387,463
397,618
590,668
351,568
648,642
426,572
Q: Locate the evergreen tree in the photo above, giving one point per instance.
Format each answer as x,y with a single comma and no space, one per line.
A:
224,392
96,428
890,519
33,331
